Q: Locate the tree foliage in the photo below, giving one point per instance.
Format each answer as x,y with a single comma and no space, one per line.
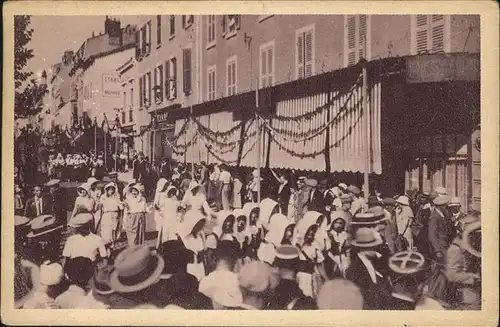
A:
28,99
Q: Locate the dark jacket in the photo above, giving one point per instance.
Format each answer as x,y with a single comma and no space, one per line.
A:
30,208
140,170
286,292
316,203
283,197
441,233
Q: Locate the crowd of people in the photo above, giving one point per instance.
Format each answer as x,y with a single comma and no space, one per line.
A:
306,245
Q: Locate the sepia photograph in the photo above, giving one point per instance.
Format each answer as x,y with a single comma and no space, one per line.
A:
247,162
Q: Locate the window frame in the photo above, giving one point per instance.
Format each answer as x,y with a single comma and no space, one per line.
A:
446,34
171,27
168,77
185,89
225,32
158,31
211,43
229,60
302,30
368,53
159,75
265,47
185,21
211,70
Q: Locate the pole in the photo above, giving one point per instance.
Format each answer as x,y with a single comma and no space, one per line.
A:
105,146
194,139
116,148
366,118
95,137
257,120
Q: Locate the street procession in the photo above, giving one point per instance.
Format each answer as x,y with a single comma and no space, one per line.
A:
248,162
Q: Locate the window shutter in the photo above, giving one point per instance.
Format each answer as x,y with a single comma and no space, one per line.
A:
140,92
229,67
183,21
422,33
437,33
351,40
149,36
223,24
308,62
362,35
158,29
155,94
263,63
137,44
167,79
300,56
186,62
149,89
160,82
233,71
172,25
173,91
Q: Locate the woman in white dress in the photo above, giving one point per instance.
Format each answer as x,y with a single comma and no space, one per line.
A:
159,200
196,201
170,219
111,207
84,202
192,235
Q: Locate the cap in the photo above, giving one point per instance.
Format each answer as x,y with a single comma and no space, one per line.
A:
287,252
454,202
354,189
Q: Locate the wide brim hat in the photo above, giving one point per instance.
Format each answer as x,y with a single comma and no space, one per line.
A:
311,182
454,202
403,200
407,262
365,238
366,218
20,221
131,265
441,200
354,189
43,225
267,206
378,212
287,256
53,182
81,219
100,282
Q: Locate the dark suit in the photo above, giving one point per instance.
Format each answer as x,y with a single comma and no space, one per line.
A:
315,201
59,205
440,233
30,209
284,198
140,171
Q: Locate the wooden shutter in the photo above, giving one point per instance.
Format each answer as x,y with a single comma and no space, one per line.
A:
351,40
149,89
160,83
173,91
422,33
172,25
183,21
223,24
155,84
300,55
144,42
167,79
437,33
158,29
233,71
229,67
362,36
186,64
270,68
137,44
140,92
149,36
308,62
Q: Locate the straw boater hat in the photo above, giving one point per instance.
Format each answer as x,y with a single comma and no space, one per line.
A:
454,202
287,256
365,238
472,227
277,227
441,190
52,182
354,189
135,269
20,221
43,225
267,206
366,218
407,262
100,282
81,219
378,212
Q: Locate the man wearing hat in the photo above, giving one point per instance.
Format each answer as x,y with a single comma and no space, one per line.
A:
358,203
463,266
288,295
441,232
315,198
51,274
455,213
368,269
257,283
139,169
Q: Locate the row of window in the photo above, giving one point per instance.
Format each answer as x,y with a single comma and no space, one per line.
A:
429,33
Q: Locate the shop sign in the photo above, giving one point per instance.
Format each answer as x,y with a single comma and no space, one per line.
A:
441,68
111,85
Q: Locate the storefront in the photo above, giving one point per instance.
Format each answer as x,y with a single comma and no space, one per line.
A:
160,136
127,142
